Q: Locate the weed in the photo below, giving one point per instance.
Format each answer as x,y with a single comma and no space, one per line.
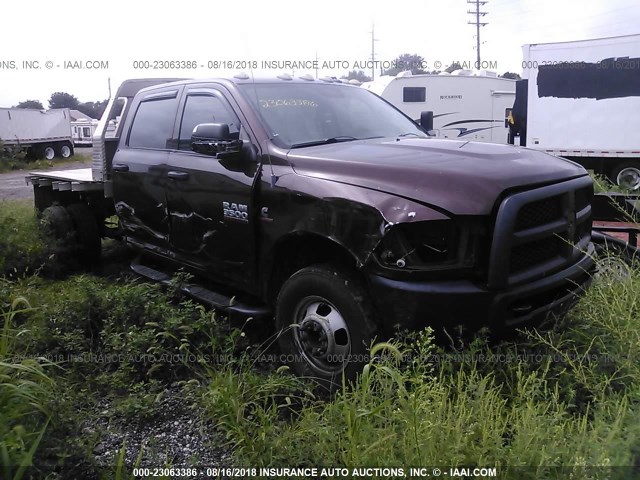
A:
23,248
24,391
557,403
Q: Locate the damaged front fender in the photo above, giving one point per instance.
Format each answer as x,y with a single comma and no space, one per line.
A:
355,218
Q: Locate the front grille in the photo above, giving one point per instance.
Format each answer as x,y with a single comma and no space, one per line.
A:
531,254
537,213
541,231
584,197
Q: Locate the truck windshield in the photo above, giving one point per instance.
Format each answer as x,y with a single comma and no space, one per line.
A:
300,115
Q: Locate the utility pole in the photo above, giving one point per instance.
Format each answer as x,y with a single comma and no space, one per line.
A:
373,52
478,14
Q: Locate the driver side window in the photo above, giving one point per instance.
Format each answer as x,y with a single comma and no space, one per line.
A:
205,109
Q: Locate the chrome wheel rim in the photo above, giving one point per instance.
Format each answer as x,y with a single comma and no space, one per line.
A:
629,178
321,335
49,153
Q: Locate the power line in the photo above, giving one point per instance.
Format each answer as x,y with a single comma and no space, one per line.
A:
478,14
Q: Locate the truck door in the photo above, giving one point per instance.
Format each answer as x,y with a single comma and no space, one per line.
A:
139,169
211,217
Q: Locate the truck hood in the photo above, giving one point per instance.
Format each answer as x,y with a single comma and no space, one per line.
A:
462,178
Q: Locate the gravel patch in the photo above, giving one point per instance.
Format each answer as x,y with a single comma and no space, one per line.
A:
177,436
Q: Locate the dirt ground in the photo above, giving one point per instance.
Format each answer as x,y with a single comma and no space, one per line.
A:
13,185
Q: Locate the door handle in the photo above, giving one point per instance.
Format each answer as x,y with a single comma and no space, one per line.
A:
120,167
178,175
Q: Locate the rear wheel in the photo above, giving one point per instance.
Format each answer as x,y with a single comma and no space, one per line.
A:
65,150
87,233
325,324
56,222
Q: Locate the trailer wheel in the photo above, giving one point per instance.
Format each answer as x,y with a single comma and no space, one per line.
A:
615,259
87,234
65,150
627,175
48,152
325,324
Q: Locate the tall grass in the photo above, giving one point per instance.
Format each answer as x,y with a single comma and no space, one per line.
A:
23,247
25,390
553,401
561,402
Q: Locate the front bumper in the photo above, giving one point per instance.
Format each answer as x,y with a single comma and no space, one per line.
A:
415,305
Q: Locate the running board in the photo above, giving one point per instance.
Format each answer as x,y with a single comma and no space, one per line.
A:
204,295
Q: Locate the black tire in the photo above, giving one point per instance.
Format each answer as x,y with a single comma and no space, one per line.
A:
325,324
87,234
626,175
64,150
56,223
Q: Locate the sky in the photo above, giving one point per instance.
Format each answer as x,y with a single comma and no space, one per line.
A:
119,39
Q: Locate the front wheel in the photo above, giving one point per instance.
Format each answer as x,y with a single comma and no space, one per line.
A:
325,324
48,152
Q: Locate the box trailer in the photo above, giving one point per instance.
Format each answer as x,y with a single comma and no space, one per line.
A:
581,100
466,105
42,133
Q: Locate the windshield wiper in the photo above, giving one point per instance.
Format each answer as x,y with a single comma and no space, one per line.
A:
326,141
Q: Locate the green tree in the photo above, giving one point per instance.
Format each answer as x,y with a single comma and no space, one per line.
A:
407,61
93,109
513,76
454,66
357,75
30,104
63,100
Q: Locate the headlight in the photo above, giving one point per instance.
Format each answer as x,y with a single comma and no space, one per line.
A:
432,245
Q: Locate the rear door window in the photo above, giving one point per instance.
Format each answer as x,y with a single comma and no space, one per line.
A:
153,124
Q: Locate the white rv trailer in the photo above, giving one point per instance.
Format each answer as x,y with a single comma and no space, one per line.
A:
466,105
83,127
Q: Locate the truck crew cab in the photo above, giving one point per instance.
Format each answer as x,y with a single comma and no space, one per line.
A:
322,204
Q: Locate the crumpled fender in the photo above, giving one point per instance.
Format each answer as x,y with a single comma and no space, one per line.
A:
354,217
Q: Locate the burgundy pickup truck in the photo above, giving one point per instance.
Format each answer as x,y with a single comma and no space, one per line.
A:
320,204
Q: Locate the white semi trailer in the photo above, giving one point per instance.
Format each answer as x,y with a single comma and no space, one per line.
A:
581,100
43,134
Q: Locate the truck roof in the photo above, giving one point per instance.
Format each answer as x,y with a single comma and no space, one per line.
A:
238,79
